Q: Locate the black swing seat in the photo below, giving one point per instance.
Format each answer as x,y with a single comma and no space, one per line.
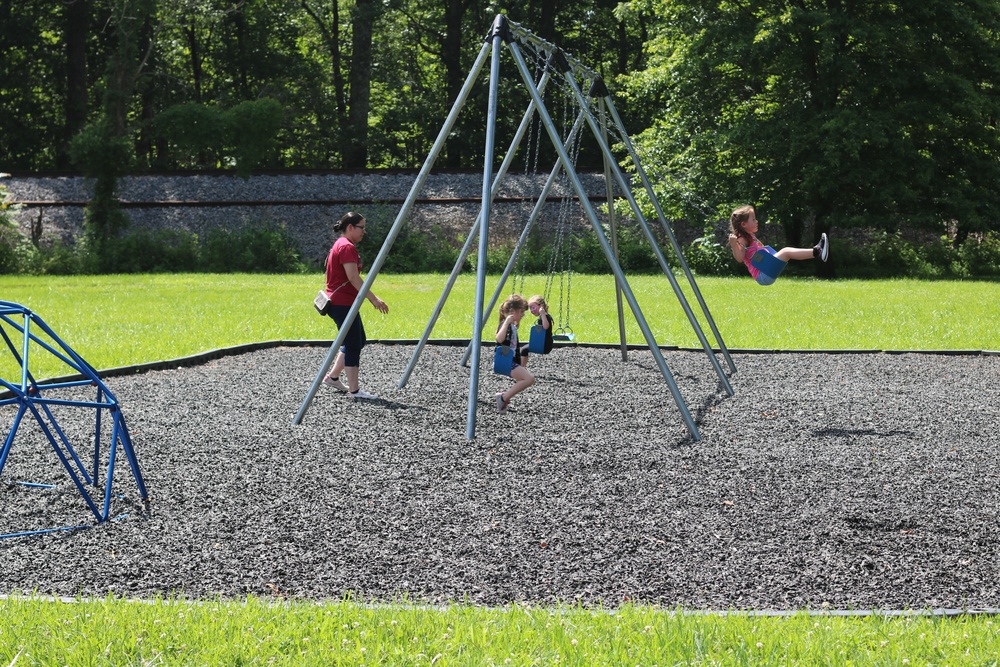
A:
563,334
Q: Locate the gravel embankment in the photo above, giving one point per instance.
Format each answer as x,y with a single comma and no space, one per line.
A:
857,481
377,196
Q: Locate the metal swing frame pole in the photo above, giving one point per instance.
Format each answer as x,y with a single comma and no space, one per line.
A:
605,246
401,217
613,225
627,190
473,233
524,237
498,33
670,233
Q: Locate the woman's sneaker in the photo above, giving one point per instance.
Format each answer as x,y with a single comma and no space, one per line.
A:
336,384
502,404
822,249
362,394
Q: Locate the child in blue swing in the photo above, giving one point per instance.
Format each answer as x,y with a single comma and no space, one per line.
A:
539,308
744,244
511,312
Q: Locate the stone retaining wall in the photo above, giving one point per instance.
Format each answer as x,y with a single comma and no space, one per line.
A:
378,197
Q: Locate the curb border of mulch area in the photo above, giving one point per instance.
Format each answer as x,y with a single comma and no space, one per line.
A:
219,353
937,612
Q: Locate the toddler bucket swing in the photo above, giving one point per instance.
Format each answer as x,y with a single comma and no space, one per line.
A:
539,342
770,267
503,360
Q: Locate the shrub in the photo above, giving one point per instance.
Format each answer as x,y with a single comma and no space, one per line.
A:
981,257
257,248
153,252
705,256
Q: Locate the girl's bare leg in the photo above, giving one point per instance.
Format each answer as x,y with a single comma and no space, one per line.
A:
522,380
786,254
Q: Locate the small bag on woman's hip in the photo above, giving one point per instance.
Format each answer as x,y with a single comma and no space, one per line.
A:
322,303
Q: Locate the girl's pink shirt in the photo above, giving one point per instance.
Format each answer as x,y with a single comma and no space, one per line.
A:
749,252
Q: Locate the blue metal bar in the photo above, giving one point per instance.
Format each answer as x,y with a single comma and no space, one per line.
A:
67,444
41,400
65,461
133,461
10,436
111,470
44,531
24,354
484,222
97,436
63,385
68,361
10,344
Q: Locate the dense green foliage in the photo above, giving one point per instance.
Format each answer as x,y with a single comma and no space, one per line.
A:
256,248
829,113
824,114
173,71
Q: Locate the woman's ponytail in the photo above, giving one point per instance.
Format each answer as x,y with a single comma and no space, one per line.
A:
350,218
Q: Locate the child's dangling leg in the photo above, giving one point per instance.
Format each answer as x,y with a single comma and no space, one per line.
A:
522,380
820,251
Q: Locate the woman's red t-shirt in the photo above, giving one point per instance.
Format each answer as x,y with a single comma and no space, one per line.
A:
338,287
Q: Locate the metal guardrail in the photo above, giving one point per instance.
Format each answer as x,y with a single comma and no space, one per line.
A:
220,203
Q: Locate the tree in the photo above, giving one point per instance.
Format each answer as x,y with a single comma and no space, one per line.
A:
830,111
363,18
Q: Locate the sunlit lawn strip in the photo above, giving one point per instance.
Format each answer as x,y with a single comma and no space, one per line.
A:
256,631
120,320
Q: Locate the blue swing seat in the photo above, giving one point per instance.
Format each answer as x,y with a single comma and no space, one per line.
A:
503,360
536,342
770,267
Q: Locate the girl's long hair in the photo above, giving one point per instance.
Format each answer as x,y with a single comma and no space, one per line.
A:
736,220
513,302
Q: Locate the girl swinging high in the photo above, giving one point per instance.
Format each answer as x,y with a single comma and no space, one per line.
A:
744,245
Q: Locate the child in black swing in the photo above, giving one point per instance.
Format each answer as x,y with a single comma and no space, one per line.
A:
511,312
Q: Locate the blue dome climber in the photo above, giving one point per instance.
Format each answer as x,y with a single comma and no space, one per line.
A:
25,336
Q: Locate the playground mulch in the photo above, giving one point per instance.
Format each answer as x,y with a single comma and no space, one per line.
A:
849,481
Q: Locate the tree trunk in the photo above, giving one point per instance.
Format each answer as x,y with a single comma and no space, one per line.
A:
360,80
547,21
77,21
331,38
451,54
194,47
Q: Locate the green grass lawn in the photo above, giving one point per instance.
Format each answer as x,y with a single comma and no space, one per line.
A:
119,320
258,632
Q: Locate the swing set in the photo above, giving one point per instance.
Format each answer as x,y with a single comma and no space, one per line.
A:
595,111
